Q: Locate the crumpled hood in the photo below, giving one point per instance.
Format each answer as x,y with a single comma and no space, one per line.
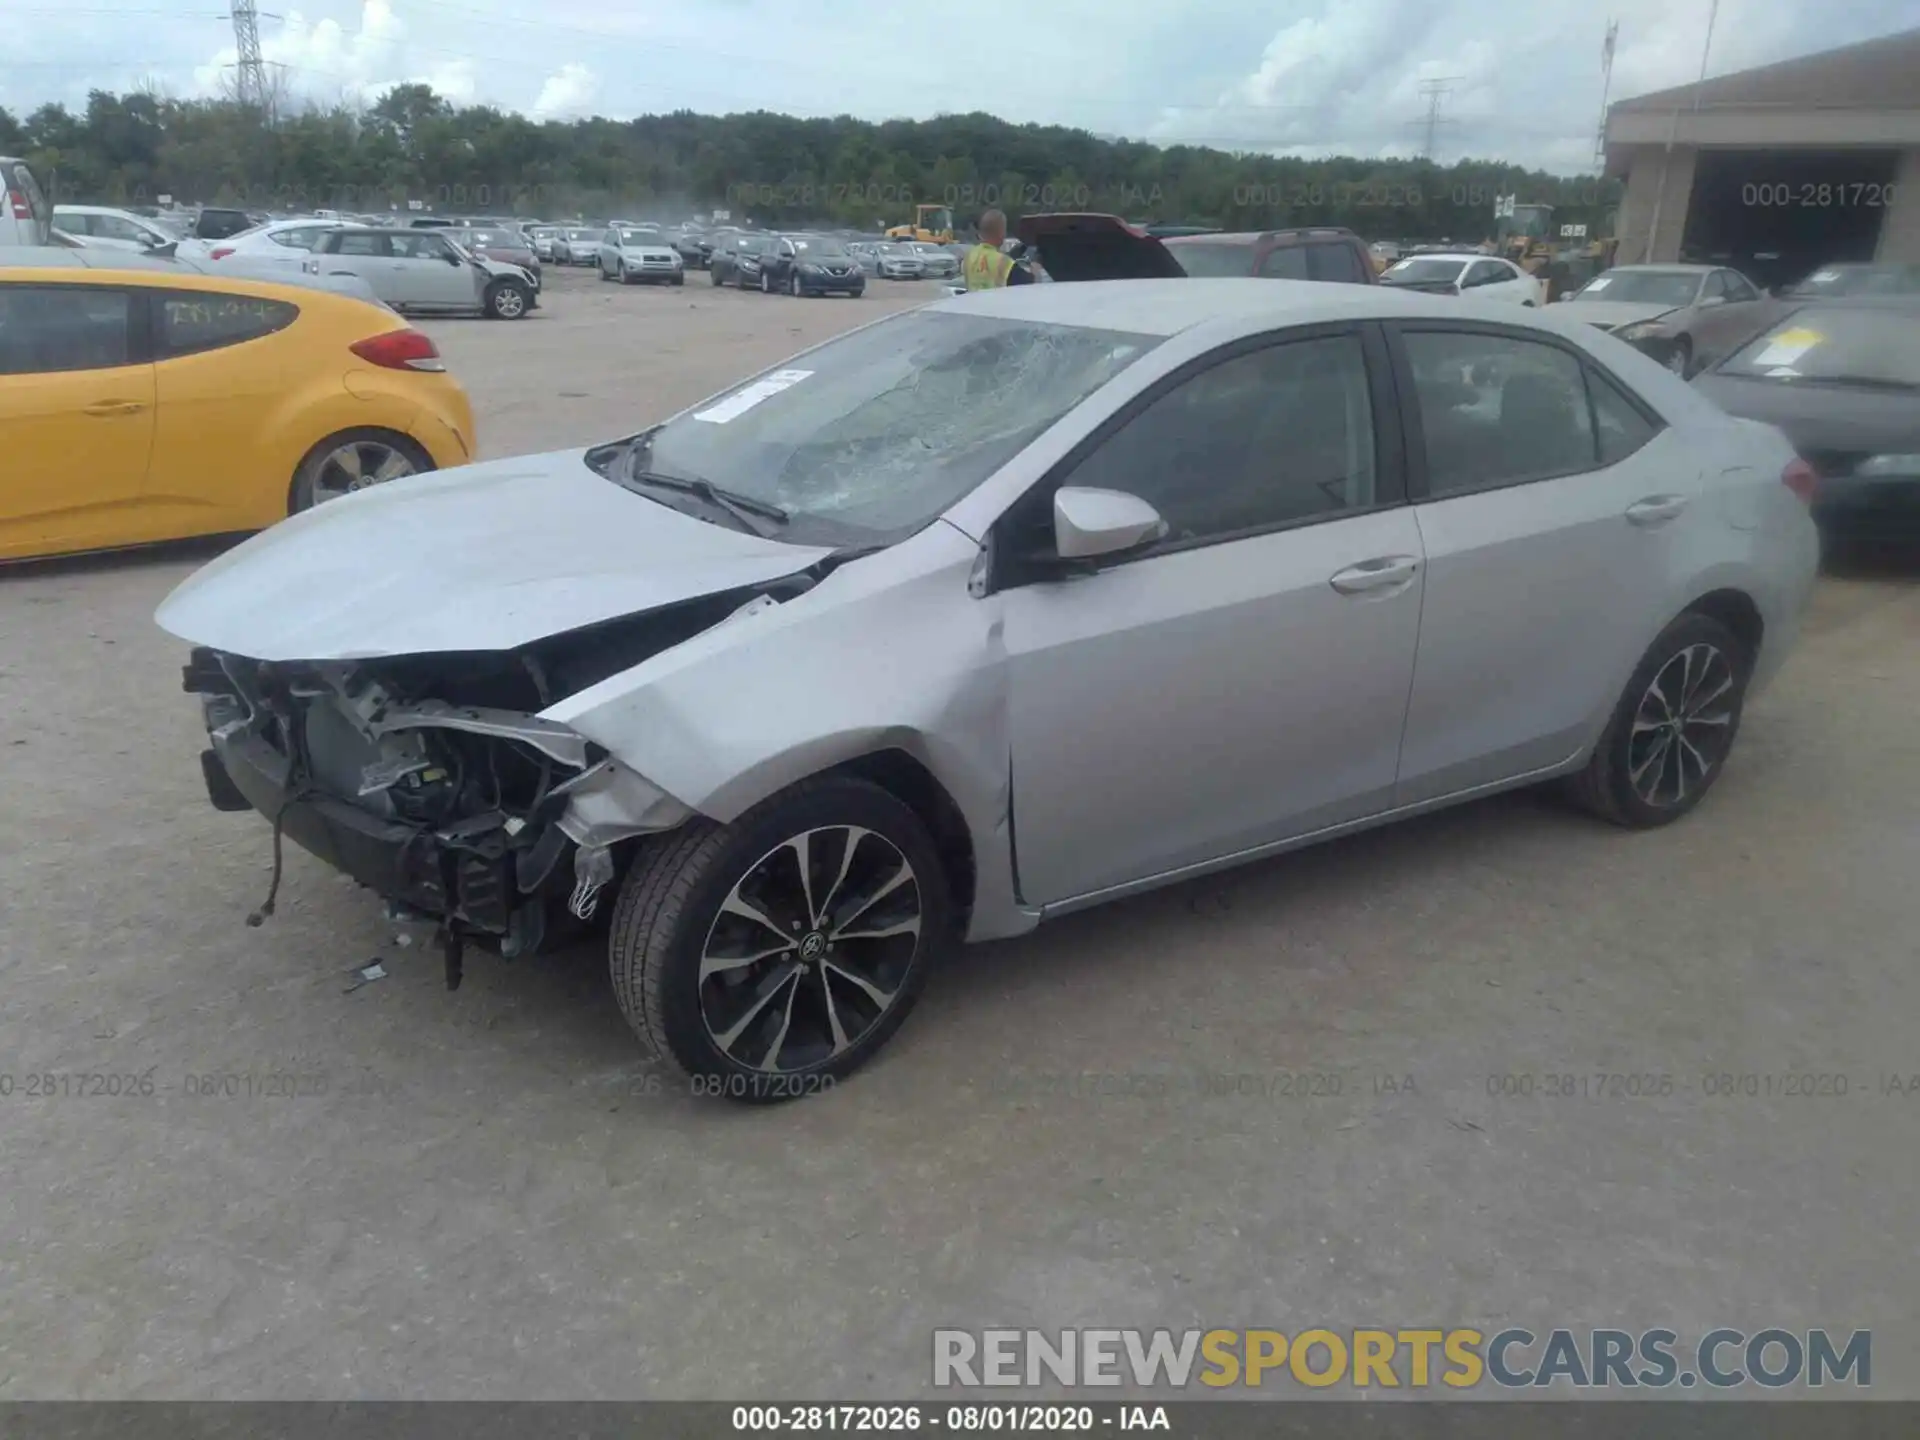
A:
481,557
1610,313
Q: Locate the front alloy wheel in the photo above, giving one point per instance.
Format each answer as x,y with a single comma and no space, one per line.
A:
766,283
770,957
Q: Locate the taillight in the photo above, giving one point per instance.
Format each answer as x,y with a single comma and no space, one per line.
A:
17,200
1801,478
399,350
221,252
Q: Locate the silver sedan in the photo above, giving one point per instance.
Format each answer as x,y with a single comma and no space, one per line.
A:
999,608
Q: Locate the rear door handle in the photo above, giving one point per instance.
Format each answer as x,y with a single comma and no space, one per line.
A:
115,407
1369,577
1656,509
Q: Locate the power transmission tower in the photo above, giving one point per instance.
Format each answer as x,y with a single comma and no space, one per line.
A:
250,70
1606,90
1435,91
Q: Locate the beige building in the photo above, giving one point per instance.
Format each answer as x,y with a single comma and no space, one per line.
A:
1776,170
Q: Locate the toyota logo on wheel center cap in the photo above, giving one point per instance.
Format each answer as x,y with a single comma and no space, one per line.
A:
813,946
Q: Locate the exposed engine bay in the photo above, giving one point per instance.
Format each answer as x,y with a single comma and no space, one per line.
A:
433,780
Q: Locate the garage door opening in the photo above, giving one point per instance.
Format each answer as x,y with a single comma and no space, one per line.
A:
1776,216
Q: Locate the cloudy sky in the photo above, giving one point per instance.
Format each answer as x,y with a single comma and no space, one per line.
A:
1305,76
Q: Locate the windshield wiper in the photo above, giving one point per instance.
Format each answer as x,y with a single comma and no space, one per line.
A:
743,508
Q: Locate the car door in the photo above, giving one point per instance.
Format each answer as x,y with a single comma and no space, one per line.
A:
1554,510
226,373
427,271
76,417
1491,280
1244,680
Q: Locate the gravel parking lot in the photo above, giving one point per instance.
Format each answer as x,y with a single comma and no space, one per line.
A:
1313,1091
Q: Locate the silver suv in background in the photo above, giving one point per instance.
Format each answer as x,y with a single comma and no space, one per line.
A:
424,271
25,216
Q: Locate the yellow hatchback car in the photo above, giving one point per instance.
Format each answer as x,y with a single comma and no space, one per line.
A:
139,405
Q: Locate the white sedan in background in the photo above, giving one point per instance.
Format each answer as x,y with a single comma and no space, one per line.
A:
1482,276
277,245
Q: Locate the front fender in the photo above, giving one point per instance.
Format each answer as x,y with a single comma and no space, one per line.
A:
889,652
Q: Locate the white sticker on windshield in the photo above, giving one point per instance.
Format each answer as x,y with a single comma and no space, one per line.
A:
1599,284
1787,347
741,401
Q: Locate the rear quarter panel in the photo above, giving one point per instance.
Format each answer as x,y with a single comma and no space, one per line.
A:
233,423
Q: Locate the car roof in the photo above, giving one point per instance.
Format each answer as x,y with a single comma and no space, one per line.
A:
1463,256
1168,307
1665,269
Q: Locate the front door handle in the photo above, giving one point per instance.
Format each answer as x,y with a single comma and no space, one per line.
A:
115,407
1656,509
1372,576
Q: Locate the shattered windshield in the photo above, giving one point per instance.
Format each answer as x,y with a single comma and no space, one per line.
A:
879,431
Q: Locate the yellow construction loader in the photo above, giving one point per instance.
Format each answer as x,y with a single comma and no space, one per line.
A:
932,224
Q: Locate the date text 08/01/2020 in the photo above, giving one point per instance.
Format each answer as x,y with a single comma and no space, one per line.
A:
962,1419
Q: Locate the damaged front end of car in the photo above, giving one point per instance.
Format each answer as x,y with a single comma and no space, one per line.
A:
434,781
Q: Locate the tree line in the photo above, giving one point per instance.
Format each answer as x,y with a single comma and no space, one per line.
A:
414,149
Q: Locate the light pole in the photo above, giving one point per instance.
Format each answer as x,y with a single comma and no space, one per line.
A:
1673,131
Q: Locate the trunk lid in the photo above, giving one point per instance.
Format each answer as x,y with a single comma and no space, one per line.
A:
1097,247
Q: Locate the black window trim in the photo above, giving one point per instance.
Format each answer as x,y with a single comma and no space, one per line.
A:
1391,475
155,320
1413,439
139,324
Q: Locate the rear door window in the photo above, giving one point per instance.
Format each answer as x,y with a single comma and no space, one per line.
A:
359,242
1286,262
47,329
193,320
1336,262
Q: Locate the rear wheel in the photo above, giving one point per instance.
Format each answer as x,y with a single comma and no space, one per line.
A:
353,460
601,267
793,285
766,283
768,958
1672,730
713,276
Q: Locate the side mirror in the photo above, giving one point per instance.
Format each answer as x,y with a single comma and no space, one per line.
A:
1089,523
163,250
455,260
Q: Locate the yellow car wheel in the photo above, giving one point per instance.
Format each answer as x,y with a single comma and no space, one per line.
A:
353,460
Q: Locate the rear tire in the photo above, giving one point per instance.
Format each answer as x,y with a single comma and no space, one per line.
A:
1672,729
316,477
680,910
766,283
1680,361
601,267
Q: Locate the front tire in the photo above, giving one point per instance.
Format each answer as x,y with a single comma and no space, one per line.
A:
766,283
793,285
768,958
507,300
1671,731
